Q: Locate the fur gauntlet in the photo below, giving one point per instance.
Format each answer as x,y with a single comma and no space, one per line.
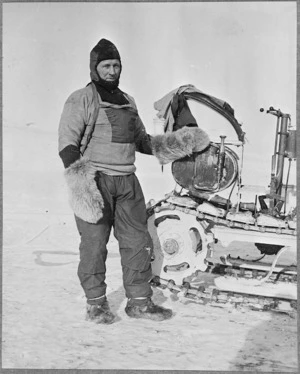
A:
178,144
84,196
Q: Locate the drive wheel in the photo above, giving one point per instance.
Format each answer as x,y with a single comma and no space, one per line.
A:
180,244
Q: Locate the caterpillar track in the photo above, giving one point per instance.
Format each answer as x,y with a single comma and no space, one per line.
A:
221,298
184,264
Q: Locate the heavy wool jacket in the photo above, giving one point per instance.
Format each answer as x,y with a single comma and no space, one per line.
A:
118,132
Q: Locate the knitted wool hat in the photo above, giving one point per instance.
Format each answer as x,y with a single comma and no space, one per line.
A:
104,50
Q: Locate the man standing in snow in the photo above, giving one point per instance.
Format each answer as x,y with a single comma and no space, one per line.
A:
99,132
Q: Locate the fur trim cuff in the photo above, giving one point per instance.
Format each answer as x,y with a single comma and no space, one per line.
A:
178,144
84,196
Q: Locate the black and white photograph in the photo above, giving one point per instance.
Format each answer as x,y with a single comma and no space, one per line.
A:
149,186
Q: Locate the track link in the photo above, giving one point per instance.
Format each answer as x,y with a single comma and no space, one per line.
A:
207,294
243,269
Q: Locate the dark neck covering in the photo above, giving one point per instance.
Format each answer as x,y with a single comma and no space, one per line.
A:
110,93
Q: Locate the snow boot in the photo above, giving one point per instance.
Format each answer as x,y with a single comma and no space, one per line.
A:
99,313
145,308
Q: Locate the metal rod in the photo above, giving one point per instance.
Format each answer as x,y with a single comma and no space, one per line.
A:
286,184
281,152
221,160
274,158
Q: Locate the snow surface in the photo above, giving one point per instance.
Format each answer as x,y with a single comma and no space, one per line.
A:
43,324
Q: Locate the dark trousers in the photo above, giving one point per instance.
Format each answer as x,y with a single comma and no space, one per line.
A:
125,211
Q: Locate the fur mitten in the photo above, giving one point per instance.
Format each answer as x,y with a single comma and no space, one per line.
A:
178,144
84,196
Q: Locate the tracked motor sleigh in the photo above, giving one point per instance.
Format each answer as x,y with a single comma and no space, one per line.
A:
187,223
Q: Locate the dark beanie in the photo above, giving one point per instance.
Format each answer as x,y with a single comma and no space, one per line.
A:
104,50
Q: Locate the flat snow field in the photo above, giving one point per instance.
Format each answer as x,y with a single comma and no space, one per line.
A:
43,307
43,322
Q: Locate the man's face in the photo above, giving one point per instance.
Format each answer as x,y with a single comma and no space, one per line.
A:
109,70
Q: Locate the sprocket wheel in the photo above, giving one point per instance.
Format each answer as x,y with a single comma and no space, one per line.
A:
180,244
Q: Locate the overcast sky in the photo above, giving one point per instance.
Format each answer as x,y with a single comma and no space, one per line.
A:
241,52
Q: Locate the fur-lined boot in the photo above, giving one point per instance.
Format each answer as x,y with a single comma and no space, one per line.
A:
178,144
146,309
84,196
100,313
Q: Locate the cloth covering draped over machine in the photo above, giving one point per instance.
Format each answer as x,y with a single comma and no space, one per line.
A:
206,172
